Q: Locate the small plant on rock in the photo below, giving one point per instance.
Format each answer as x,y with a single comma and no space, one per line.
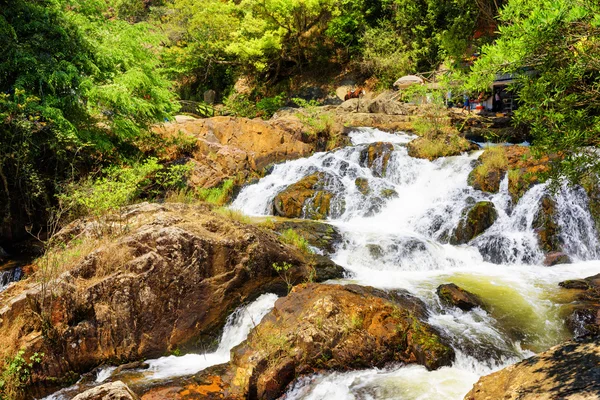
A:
285,273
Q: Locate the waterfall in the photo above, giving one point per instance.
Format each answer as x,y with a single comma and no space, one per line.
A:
403,242
236,329
9,276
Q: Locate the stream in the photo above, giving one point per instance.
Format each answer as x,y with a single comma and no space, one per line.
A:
401,242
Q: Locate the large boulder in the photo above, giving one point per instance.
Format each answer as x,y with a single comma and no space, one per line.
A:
441,144
583,317
318,234
474,222
452,295
222,147
109,391
168,281
324,327
307,198
318,328
567,371
376,157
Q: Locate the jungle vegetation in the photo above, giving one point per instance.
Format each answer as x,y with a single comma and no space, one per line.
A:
81,81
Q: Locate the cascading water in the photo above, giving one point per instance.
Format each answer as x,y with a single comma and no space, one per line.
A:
401,241
236,330
9,276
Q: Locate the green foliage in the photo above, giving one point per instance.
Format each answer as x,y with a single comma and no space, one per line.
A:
77,89
558,69
217,195
17,374
319,123
384,54
292,237
120,186
240,105
269,105
284,270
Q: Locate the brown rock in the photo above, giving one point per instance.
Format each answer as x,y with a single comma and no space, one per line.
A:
323,327
167,283
555,258
376,157
109,391
567,371
307,198
318,234
453,295
584,313
474,222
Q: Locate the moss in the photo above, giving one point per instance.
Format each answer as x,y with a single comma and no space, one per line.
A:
443,145
362,184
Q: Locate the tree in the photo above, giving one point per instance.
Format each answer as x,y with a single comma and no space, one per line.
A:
76,89
553,46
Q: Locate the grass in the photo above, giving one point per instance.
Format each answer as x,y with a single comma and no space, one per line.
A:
292,237
218,195
234,215
438,146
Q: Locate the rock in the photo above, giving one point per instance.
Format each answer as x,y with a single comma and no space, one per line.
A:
109,391
545,226
440,145
375,251
332,327
453,295
475,221
168,282
318,234
385,104
307,198
555,258
355,106
566,371
362,184
311,93
583,318
376,157
3,253
222,147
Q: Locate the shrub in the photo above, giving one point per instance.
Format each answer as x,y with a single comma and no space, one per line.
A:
319,123
217,195
292,237
269,105
17,374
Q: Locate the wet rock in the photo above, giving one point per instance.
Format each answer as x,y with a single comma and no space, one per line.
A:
453,295
307,198
475,221
168,282
545,226
376,157
325,327
362,184
355,106
555,258
318,234
388,193
109,391
566,371
583,318
375,251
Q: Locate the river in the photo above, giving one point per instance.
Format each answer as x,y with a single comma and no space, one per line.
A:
401,241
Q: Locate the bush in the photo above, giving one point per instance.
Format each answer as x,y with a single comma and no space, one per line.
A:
292,237
17,374
269,105
217,195
240,105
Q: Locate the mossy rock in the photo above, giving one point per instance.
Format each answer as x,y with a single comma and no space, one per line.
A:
307,198
318,234
441,145
452,295
546,227
362,184
475,221
376,157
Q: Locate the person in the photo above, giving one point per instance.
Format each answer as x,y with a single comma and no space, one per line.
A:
498,104
467,103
